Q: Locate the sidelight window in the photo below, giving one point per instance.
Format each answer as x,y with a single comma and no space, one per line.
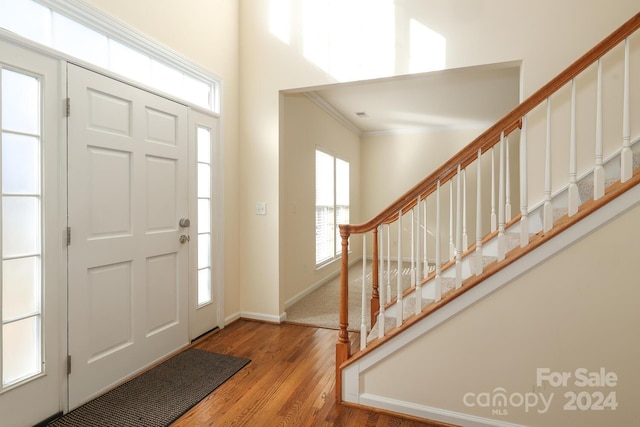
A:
203,146
21,213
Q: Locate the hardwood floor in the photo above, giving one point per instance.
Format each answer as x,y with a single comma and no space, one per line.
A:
289,381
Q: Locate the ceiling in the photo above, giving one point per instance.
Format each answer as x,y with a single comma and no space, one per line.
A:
471,97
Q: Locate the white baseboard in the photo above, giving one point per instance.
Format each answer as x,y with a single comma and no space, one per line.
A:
254,316
261,316
429,413
232,318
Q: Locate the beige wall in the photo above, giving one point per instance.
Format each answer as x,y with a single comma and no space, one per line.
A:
205,32
305,127
545,35
576,310
233,40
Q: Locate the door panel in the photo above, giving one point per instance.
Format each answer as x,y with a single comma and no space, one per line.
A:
128,271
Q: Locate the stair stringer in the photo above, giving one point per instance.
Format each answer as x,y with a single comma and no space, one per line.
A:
351,372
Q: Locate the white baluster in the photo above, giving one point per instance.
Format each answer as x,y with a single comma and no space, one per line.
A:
381,301
438,279
524,185
383,291
412,271
598,172
388,263
452,246
418,291
425,241
465,237
573,194
548,209
626,156
478,255
399,310
381,258
507,205
494,218
458,231
501,237
363,317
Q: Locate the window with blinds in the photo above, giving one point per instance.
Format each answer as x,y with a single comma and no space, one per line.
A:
332,205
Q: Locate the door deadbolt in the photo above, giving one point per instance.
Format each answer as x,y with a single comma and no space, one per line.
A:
184,222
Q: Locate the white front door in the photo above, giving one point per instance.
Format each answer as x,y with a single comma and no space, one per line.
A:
128,266
32,280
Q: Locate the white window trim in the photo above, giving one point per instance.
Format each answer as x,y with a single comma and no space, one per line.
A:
104,23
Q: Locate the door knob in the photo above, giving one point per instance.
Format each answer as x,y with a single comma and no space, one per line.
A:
184,238
184,222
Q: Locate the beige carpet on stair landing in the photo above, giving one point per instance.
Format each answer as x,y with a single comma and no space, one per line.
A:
321,307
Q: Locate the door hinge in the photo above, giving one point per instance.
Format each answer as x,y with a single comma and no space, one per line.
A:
68,236
68,364
68,107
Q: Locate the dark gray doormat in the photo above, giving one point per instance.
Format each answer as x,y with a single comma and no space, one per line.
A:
158,396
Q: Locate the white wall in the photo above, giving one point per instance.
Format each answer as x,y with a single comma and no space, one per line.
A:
576,310
205,32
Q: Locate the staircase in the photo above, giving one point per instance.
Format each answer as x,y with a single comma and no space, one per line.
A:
448,274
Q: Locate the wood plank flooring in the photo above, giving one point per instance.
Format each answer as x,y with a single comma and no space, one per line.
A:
289,381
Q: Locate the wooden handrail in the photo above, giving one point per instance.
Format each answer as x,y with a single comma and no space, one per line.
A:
491,136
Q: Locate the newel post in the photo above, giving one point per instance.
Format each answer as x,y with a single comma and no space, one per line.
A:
343,349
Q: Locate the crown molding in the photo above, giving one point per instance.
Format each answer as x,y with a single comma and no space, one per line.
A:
329,109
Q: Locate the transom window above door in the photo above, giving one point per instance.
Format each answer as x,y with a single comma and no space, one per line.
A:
97,39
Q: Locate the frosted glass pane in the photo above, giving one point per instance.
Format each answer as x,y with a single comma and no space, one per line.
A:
204,216
204,286
129,62
204,180
20,226
20,164
204,250
204,145
196,91
79,41
21,354
166,78
20,102
20,287
27,18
